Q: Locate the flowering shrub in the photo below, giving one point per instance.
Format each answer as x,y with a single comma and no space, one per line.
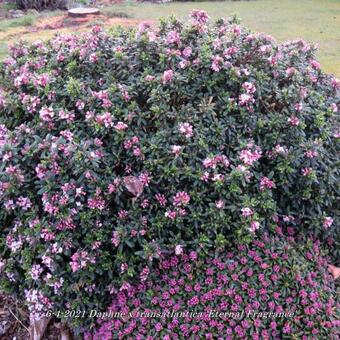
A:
117,147
272,289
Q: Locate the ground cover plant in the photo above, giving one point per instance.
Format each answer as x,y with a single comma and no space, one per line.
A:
119,147
274,288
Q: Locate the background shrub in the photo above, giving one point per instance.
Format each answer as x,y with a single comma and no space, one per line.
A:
118,147
40,5
232,294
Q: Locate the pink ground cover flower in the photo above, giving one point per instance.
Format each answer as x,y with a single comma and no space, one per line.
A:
182,281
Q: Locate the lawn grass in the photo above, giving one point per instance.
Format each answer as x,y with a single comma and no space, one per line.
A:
313,20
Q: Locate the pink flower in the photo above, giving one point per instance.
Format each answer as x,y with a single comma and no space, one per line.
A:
209,163
176,149
193,301
179,249
187,52
167,76
245,99
246,212
336,83
24,202
281,149
327,222
236,30
143,26
105,119
144,274
60,57
173,37
93,58
186,129
80,104
171,214
36,271
315,64
311,153
158,327
149,77
199,16
266,183
46,114
334,107
181,198
145,178
124,92
42,80
249,87
248,157
219,204
212,162
115,238
306,171
120,126
184,63
298,107
205,177
96,203
122,214
152,36
254,225
294,121
217,63
69,116
217,178
290,71
80,260
161,199
145,203
124,267
137,152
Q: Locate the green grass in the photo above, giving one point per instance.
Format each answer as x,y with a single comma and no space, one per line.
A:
8,6
24,21
313,20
